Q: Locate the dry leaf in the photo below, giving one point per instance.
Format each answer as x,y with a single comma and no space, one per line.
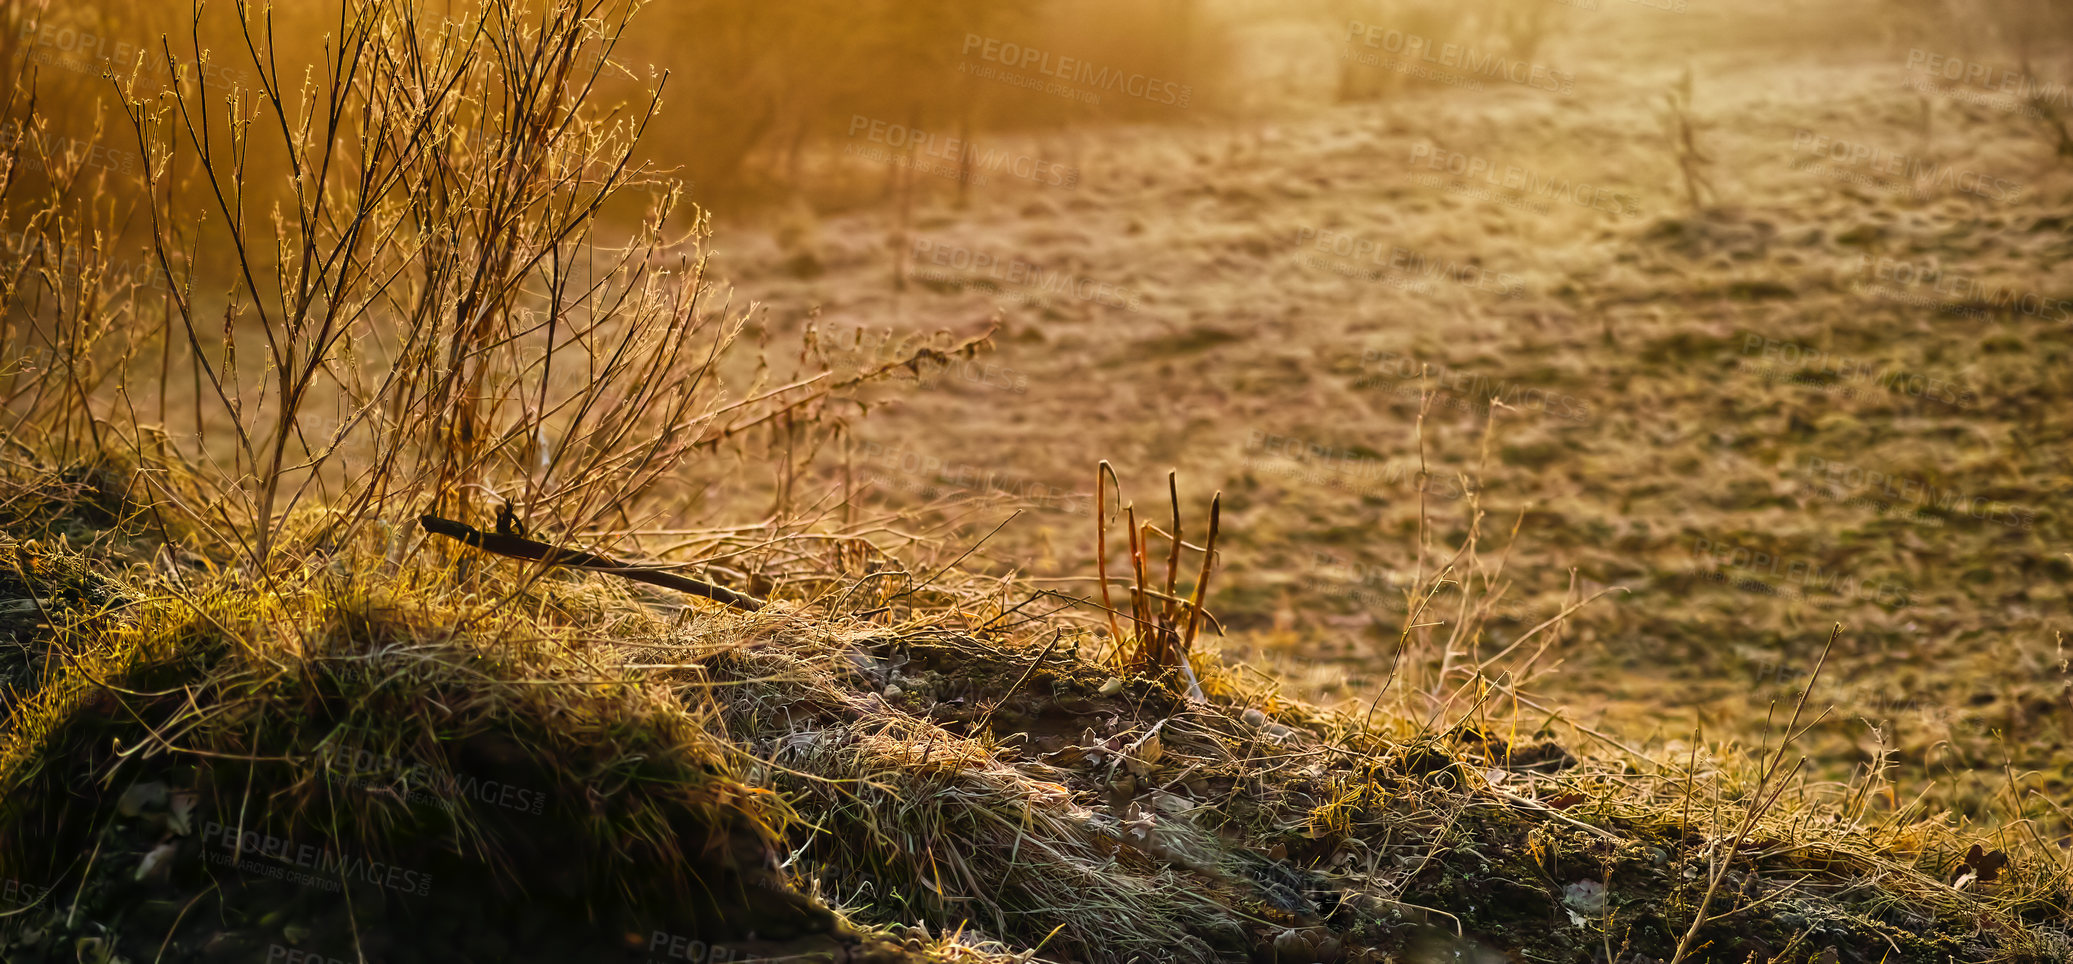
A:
1143,756
1985,865
140,797
183,810
157,861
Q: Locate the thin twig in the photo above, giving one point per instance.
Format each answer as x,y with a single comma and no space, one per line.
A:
518,548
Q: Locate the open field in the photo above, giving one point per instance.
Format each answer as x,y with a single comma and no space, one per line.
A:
1817,401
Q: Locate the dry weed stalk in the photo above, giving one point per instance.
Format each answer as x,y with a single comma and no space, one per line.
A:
1692,162
1449,682
1163,625
1769,787
62,339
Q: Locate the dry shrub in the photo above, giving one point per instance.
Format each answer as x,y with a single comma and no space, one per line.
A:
435,316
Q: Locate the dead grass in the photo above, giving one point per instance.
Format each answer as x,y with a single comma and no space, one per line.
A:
908,760
231,652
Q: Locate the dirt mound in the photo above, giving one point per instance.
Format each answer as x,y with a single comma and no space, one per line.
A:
238,775
1031,793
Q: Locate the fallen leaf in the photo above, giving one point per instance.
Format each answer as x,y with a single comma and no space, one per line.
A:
1064,757
1587,896
183,809
155,862
1139,823
1171,803
1985,865
1143,756
140,797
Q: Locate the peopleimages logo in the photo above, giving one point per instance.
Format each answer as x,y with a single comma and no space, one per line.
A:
289,955
1844,477
2016,83
1919,173
1404,263
89,153
665,946
985,268
1814,368
1169,93
1511,177
15,893
1801,576
900,138
1965,294
369,770
324,868
1346,468
118,54
932,476
1864,697
1370,584
1388,368
1467,59
1348,578
954,369
55,45
140,272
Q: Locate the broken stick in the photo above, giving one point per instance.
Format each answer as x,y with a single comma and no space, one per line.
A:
521,548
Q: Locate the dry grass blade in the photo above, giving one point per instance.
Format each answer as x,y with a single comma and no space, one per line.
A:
1108,605
1201,593
1140,609
1168,624
1753,814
